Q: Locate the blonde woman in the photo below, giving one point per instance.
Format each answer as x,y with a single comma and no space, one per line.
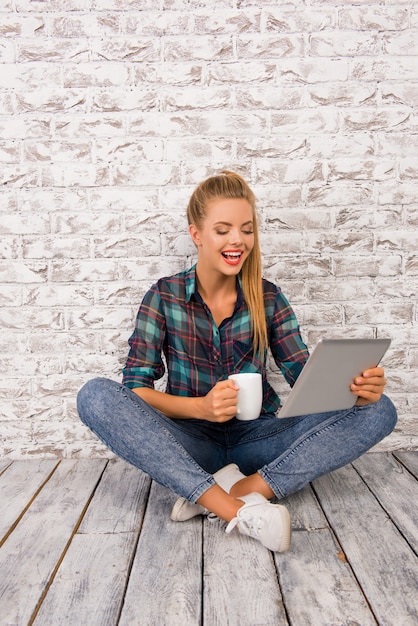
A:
217,318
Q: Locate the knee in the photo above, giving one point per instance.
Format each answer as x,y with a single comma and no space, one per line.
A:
388,414
91,395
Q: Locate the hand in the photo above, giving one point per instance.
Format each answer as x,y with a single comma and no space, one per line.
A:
220,404
369,386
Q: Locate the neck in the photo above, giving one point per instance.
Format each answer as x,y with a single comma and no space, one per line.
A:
215,285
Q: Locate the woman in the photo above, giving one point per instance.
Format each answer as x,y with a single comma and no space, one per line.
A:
217,318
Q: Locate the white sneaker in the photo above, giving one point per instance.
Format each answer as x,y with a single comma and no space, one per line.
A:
262,520
226,477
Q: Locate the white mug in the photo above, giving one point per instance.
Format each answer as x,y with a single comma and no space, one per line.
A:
250,395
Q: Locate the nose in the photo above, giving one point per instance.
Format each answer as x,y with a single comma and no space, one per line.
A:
236,236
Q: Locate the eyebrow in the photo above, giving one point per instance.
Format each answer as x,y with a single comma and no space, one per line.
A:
228,224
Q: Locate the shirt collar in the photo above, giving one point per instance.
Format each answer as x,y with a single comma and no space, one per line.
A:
192,292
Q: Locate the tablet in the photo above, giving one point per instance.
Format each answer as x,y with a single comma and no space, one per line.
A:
324,383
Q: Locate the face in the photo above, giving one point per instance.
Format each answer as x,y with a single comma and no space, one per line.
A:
226,237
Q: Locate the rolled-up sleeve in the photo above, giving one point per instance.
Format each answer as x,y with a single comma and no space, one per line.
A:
144,364
288,349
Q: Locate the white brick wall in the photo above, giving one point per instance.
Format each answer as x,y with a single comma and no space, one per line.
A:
112,111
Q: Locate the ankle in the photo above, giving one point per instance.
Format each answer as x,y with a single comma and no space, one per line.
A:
252,484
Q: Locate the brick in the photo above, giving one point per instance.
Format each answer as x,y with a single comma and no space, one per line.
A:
119,99
187,48
64,151
74,174
383,69
242,72
81,271
60,50
100,318
290,171
340,194
344,94
130,245
376,17
355,169
22,224
283,97
124,199
270,46
41,200
98,74
152,173
344,44
305,121
295,219
51,100
23,6
20,272
15,25
403,93
394,192
187,98
370,265
313,70
401,43
85,25
168,73
19,175
52,247
376,119
25,126
331,146
288,146
125,49
158,23
227,21
295,18
63,295
83,223
335,290
196,150
19,317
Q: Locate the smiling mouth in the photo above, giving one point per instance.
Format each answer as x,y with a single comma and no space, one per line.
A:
232,256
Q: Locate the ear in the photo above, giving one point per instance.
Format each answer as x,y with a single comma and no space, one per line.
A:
194,234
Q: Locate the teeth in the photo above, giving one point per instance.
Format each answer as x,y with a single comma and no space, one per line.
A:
234,255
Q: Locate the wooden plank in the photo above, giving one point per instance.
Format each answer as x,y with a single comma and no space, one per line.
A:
119,502
90,583
240,585
396,490
29,557
304,509
165,584
410,460
17,488
317,583
4,464
383,563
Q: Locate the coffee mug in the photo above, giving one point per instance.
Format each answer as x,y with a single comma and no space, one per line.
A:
250,395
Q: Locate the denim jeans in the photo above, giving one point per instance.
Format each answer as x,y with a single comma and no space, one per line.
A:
183,454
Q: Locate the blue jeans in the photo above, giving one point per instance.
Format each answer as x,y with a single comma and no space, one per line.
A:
183,454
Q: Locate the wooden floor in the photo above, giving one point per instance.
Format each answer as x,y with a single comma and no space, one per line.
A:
90,542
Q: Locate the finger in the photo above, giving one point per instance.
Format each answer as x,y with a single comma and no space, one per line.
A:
378,381
374,371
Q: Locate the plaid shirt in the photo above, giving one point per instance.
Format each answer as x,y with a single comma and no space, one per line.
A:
174,321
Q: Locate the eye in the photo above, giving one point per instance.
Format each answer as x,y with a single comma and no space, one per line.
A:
221,232
248,232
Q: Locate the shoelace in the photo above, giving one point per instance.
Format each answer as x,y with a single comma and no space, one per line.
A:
252,522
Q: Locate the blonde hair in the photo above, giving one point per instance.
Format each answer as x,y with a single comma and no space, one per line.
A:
231,185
